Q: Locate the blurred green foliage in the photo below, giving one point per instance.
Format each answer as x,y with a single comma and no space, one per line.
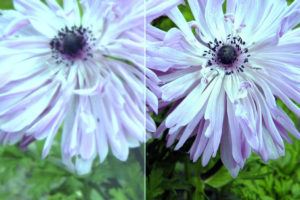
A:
24,175
6,4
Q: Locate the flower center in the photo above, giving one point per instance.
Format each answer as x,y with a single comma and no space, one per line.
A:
230,55
227,55
72,44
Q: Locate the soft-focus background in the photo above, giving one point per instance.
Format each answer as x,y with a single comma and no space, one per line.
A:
25,176
170,175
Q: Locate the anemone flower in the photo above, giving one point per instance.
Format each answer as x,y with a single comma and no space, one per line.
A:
80,65
223,73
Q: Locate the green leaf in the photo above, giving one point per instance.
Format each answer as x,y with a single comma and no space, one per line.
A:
219,179
154,184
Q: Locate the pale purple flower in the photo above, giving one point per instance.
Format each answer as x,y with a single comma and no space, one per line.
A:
63,67
154,9
223,72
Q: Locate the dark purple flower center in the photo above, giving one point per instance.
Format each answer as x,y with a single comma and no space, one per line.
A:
72,44
231,55
227,55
